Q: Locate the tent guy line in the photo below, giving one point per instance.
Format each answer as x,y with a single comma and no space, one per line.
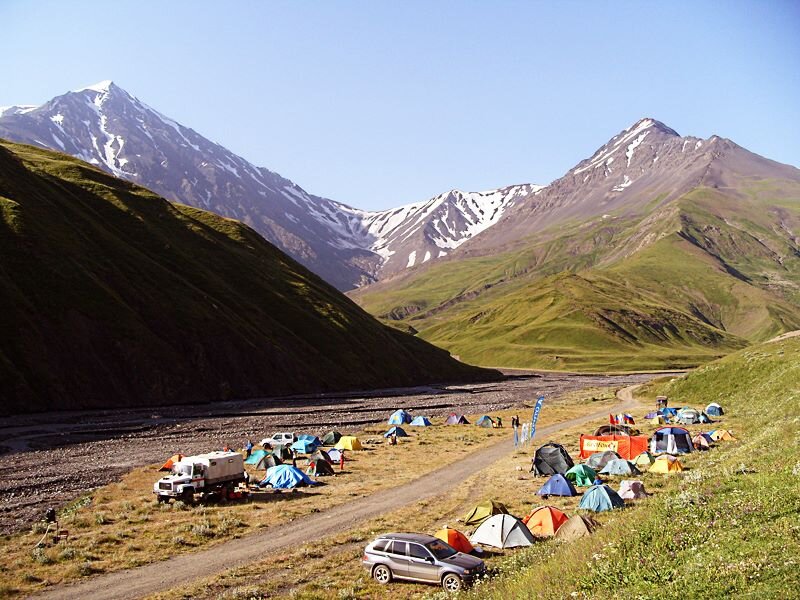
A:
184,569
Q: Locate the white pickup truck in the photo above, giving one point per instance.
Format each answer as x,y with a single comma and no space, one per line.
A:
204,473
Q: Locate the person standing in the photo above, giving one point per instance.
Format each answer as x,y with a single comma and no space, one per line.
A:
341,460
248,448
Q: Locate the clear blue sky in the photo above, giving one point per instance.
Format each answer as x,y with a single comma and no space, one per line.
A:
380,103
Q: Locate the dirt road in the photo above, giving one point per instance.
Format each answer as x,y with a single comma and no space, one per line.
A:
172,573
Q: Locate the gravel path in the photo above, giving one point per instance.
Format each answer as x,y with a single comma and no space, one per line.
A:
184,569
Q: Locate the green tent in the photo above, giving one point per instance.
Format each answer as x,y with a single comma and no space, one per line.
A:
581,475
331,438
483,511
255,456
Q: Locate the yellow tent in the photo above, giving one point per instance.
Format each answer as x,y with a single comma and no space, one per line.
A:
349,442
722,434
666,464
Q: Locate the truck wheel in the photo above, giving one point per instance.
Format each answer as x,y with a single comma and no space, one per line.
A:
187,496
451,582
382,574
160,498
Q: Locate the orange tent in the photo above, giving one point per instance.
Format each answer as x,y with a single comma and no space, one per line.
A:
167,466
456,539
545,520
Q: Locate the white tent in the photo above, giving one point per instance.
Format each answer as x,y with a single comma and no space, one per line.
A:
631,489
502,531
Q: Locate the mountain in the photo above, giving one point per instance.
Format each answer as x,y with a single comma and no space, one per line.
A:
110,128
112,296
657,251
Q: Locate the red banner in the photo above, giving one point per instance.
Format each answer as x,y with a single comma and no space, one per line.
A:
627,446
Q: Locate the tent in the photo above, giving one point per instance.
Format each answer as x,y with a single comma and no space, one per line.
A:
454,419
631,489
672,440
456,539
616,430
483,511
581,475
551,458
335,455
545,521
398,431
319,467
167,466
719,435
485,421
269,460
704,418
255,456
599,498
349,442
598,460
644,460
666,464
285,477
320,454
310,438
620,466
700,442
330,438
714,410
557,485
421,421
304,446
502,531
400,417
668,412
282,452
577,526
688,416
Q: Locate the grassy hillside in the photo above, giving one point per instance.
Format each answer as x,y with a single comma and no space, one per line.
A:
692,281
726,528
112,296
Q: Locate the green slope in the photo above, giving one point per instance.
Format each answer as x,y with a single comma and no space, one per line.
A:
112,296
725,528
696,279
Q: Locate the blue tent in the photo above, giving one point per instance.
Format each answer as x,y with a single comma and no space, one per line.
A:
310,438
557,485
668,412
304,446
255,456
400,417
714,410
620,466
703,418
285,477
398,431
421,421
484,421
599,498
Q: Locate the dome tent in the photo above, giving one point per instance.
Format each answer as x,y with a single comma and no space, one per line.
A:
666,463
577,526
557,485
581,475
330,438
672,440
349,442
398,431
551,458
714,410
485,421
456,419
644,460
544,521
420,421
599,498
304,446
598,460
502,531
630,489
400,417
620,466
455,539
484,510
285,477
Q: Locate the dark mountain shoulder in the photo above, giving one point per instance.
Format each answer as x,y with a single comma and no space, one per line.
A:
112,296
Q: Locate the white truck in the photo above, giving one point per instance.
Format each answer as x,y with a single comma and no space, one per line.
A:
204,473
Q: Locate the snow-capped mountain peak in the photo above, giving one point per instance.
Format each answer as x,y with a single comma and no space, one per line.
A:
101,86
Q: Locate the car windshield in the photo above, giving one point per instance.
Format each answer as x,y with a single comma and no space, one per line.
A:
440,550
